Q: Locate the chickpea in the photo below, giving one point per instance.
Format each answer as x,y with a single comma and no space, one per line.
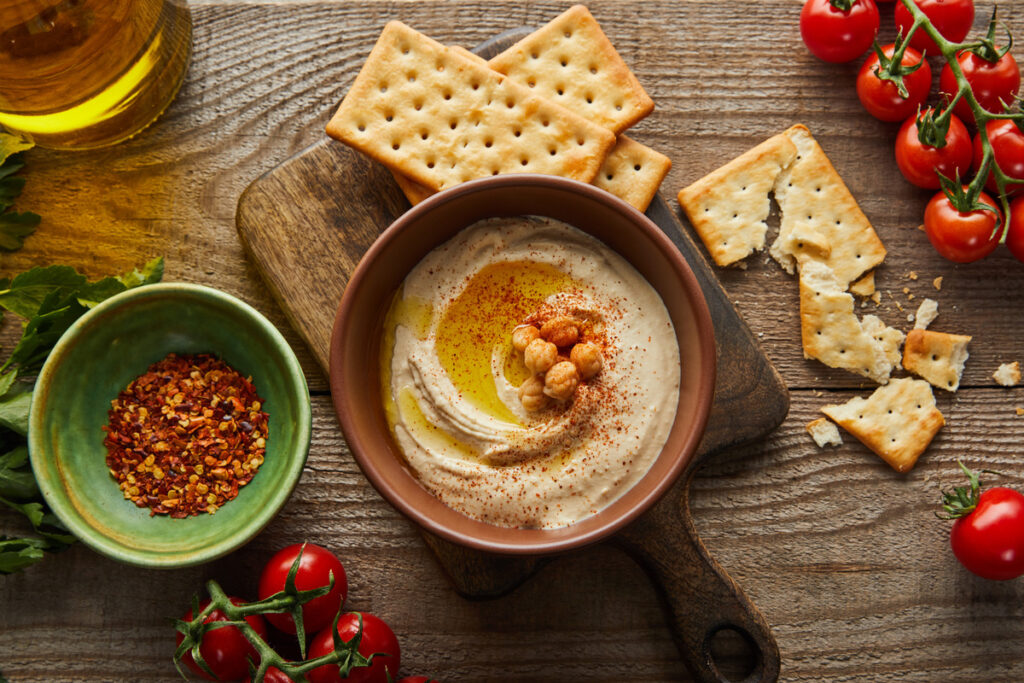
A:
531,394
561,380
523,335
587,359
561,331
540,355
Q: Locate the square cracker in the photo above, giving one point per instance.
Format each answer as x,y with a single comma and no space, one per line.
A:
936,356
571,61
817,208
728,207
632,172
831,332
897,421
441,118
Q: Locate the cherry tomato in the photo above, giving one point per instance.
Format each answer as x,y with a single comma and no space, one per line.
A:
226,651
314,571
1015,229
835,35
273,675
952,19
961,237
882,99
418,679
377,638
991,82
919,163
990,540
1007,142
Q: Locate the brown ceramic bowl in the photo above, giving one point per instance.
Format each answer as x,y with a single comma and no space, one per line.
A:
355,347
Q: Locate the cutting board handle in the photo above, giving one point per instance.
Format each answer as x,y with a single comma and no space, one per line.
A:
702,599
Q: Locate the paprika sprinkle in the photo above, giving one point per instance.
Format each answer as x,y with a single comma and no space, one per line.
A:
183,437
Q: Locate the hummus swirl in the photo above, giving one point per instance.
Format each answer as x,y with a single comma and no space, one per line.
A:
450,376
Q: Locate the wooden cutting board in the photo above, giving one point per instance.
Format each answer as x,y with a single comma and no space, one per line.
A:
307,223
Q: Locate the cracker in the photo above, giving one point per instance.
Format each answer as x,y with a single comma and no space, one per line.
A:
824,433
889,338
865,286
926,313
571,61
897,421
728,207
936,356
1008,374
817,207
830,330
631,171
441,118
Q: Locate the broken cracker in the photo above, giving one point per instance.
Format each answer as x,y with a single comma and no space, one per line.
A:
830,330
728,207
824,433
926,313
441,118
1008,374
897,421
571,62
865,286
814,200
889,338
938,357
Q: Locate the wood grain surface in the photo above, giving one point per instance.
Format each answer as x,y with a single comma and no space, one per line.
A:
843,556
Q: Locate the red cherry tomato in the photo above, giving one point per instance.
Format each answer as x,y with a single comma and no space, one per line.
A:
991,82
961,237
919,163
835,35
273,675
226,651
377,638
990,540
1015,229
882,99
315,568
952,19
1007,142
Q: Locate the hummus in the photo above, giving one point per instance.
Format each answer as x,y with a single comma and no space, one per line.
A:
450,375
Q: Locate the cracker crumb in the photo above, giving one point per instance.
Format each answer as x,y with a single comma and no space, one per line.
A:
1008,374
1020,411
824,433
877,298
926,313
910,297
912,275
910,317
937,283
906,290
921,227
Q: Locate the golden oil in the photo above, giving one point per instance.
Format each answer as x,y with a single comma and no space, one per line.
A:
80,74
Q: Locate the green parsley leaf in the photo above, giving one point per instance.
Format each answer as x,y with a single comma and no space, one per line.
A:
18,553
16,479
26,292
15,227
11,145
151,273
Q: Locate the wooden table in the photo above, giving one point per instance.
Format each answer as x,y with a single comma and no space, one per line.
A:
843,556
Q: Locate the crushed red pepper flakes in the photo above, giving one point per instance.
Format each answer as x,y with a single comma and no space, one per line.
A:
183,437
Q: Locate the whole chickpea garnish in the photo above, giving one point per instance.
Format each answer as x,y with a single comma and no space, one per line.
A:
523,335
561,331
540,355
531,394
561,380
587,359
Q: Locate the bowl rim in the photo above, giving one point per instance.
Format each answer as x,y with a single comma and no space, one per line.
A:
564,541
52,491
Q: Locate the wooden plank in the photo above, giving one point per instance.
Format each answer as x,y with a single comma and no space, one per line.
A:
842,555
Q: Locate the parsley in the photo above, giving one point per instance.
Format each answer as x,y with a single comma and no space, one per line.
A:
14,226
49,299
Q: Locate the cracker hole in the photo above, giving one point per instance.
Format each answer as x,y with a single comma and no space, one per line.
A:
424,134
809,217
567,34
560,91
524,162
918,406
440,66
893,439
475,85
890,411
860,417
593,69
934,357
488,143
817,189
383,87
389,118
412,76
510,103
743,189
799,245
494,172
430,164
545,123
447,95
798,157
532,83
618,106
819,333
609,176
707,210
590,98
735,215
453,125
418,106
552,151
636,167
858,255
564,61
396,145
361,127
517,132
405,49
842,350
534,55
580,142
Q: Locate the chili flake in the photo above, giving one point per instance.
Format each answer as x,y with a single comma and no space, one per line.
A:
183,437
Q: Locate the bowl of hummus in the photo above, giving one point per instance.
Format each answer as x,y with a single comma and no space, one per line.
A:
522,364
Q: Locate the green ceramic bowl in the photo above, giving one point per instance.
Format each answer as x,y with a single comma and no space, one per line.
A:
96,359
